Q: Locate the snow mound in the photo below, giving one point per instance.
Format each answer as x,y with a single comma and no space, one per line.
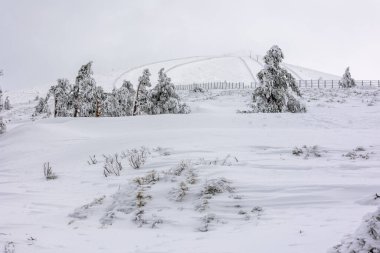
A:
365,239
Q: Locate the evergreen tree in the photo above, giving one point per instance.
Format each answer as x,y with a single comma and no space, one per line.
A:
278,91
163,98
99,101
62,98
7,104
1,99
110,104
84,92
125,97
347,81
141,99
3,126
42,106
87,91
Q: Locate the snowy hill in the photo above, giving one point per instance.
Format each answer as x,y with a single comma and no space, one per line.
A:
247,188
231,68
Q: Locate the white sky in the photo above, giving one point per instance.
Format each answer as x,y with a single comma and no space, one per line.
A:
42,40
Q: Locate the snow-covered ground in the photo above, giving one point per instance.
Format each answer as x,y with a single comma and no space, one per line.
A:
219,68
243,183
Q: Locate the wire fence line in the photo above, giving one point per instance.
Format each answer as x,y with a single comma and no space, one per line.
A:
252,85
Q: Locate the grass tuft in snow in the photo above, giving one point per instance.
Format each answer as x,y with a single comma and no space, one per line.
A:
48,172
112,165
137,157
92,160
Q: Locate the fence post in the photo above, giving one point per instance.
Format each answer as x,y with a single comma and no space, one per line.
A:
324,82
370,83
318,83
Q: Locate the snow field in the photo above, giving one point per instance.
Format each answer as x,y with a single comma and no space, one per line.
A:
279,202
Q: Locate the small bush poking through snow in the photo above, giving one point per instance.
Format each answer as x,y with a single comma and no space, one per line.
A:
9,247
179,193
198,90
48,172
112,165
151,178
137,157
216,186
226,161
92,160
206,220
139,218
211,188
82,212
311,151
358,152
141,199
181,167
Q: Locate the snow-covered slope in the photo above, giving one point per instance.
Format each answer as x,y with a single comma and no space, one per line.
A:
230,68
278,202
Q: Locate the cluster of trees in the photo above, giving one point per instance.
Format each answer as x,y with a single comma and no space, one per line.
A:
86,99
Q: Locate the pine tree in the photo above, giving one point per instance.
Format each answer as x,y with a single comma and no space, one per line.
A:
278,91
62,96
99,101
163,98
125,99
110,104
42,106
84,91
347,81
3,126
7,104
141,99
1,99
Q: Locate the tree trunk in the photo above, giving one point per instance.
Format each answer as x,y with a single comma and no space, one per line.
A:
134,112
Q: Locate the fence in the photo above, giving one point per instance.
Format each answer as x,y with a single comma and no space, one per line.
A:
252,85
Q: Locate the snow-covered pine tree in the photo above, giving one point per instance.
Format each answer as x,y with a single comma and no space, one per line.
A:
347,81
125,99
164,99
110,105
3,126
278,91
42,106
141,99
62,98
99,101
7,104
76,100
1,99
87,91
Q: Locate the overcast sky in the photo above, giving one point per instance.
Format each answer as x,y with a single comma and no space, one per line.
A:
42,40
